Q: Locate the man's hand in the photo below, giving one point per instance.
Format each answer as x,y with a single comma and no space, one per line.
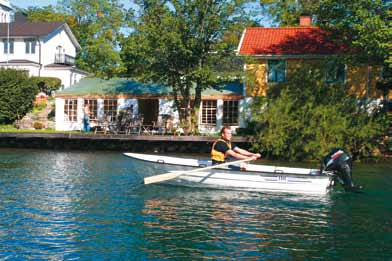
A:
257,155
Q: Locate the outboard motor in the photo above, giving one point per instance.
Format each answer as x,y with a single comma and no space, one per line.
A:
340,163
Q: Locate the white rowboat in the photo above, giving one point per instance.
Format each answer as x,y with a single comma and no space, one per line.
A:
255,178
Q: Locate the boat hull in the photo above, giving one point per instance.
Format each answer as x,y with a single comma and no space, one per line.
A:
256,178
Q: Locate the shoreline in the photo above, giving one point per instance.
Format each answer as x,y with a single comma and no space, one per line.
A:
132,143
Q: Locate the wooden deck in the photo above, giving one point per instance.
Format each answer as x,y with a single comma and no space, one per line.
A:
135,143
115,137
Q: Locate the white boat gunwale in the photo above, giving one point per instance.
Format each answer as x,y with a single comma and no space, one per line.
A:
227,170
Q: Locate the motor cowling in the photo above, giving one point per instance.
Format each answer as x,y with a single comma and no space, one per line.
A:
340,164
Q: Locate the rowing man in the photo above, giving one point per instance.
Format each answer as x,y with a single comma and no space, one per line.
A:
222,149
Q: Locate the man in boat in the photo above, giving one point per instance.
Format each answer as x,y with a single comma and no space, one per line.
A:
223,150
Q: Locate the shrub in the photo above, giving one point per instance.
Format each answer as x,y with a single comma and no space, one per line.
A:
46,84
16,95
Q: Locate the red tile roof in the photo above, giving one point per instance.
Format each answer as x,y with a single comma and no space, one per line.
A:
288,41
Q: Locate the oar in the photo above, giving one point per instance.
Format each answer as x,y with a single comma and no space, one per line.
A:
172,175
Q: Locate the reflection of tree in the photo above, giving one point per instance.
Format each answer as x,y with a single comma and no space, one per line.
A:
231,225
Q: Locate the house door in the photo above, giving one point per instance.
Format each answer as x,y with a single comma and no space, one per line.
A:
149,110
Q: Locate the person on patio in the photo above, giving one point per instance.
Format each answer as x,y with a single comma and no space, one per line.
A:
86,118
223,150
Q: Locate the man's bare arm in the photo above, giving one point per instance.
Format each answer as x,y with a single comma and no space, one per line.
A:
240,156
246,153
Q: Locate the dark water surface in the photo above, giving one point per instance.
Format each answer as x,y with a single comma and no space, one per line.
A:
91,206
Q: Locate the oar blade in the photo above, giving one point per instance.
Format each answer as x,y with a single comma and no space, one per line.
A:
161,177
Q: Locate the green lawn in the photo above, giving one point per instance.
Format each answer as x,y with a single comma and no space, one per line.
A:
11,128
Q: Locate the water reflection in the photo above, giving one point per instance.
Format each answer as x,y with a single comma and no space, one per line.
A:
232,225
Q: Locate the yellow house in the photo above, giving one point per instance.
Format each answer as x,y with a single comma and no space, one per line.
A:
276,53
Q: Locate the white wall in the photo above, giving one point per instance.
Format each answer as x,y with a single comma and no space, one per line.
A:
50,43
31,69
4,11
19,51
61,123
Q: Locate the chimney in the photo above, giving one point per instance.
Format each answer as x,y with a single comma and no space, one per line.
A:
305,20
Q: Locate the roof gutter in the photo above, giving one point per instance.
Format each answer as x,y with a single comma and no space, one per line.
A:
285,56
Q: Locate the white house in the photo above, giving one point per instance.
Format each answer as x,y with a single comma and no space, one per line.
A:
106,98
45,49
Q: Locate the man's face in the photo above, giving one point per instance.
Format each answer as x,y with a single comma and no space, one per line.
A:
226,134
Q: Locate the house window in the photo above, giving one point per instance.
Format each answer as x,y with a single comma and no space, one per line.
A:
30,46
110,109
8,46
230,112
335,73
93,105
276,70
208,112
71,110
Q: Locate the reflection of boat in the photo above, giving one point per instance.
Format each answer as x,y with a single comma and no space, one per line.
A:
254,178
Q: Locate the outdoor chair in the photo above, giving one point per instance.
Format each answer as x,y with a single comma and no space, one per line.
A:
134,125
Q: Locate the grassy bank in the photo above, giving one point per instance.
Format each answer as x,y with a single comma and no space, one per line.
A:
11,128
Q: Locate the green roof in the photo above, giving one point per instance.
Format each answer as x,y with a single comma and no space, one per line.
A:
117,86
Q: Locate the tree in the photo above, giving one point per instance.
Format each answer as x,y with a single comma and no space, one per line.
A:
177,43
49,14
288,12
46,84
16,95
99,24
306,118
362,25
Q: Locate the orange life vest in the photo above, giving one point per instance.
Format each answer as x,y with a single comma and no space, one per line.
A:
217,155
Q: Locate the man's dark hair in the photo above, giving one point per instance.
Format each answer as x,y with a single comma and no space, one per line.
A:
224,128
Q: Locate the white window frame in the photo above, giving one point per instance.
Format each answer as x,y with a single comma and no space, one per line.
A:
207,114
71,110
110,109
30,46
8,45
93,106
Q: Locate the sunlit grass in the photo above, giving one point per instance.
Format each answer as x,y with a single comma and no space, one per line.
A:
11,128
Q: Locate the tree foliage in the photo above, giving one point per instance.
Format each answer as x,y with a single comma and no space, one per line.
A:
179,43
362,25
49,14
306,118
46,84
16,95
97,25
288,12
98,30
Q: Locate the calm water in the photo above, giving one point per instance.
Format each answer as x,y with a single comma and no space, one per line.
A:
91,206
